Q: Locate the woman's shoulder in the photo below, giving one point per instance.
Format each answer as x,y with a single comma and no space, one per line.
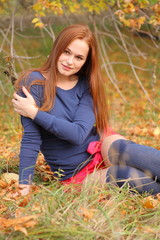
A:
35,75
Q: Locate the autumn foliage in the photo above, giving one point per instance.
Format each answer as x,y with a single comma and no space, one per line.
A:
132,13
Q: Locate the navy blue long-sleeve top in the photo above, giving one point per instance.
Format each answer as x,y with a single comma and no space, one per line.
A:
61,134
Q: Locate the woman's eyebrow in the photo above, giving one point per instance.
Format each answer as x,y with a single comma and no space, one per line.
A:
80,55
68,49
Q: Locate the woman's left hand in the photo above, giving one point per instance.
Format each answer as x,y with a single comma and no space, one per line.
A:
25,106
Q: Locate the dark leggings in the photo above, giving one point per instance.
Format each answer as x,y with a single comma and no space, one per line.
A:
139,165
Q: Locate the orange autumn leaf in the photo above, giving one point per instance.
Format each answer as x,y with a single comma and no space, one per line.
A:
25,201
158,196
87,214
3,184
3,208
150,202
19,212
146,229
26,221
21,229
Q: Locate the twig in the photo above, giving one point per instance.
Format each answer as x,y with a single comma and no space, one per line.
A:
24,57
120,46
4,91
126,63
12,32
106,69
4,37
27,36
108,74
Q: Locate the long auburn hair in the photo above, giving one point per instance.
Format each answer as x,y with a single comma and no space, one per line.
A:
91,69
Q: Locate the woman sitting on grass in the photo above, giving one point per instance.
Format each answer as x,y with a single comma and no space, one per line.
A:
65,98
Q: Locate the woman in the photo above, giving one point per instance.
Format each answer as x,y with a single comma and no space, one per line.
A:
67,96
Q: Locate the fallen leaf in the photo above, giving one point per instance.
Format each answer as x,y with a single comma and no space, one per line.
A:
26,221
150,202
21,229
3,184
86,213
25,201
156,131
9,177
19,212
3,208
158,196
146,229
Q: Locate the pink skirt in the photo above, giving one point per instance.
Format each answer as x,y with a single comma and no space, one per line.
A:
94,148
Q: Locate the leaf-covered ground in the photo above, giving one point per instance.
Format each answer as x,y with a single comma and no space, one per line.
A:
52,212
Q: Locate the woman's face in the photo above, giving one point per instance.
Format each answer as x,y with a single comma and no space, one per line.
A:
73,58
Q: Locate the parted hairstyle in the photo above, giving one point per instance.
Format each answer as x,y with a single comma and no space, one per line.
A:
91,69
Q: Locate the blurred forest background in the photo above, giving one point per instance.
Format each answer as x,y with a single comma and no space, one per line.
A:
128,33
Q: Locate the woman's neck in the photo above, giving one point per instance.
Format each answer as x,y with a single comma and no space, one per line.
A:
64,82
67,82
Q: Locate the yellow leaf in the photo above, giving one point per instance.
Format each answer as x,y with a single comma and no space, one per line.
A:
35,20
141,20
9,177
156,131
39,24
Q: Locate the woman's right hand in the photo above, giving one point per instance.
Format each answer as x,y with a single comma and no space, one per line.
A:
24,189
25,106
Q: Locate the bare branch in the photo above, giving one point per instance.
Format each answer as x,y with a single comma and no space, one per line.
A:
3,89
27,36
113,77
126,63
25,57
4,37
108,73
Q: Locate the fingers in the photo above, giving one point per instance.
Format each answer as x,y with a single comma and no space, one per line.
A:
26,92
14,101
16,96
28,95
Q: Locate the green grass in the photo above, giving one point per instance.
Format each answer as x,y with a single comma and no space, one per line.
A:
116,214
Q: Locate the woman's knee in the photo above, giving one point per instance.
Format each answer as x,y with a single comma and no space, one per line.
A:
106,143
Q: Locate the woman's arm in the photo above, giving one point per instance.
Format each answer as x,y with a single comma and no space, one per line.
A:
30,147
25,106
31,139
73,131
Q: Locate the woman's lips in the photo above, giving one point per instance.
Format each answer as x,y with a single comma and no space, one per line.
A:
66,67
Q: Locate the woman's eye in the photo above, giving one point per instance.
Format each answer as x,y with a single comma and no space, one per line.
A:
66,51
79,58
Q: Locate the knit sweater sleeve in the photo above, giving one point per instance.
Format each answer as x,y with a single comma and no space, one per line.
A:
30,146
31,141
74,131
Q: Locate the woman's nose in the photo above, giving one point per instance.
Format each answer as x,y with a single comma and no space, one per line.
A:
70,60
